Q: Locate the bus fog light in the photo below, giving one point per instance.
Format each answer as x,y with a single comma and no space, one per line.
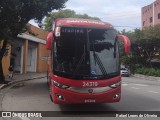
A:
116,96
61,97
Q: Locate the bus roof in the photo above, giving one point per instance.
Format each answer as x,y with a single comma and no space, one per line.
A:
78,22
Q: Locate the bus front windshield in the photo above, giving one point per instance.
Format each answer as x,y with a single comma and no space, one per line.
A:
86,53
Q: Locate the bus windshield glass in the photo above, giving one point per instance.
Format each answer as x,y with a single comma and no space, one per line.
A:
86,53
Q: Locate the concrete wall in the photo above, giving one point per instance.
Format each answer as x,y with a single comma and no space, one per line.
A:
25,54
41,63
37,32
157,11
42,58
149,11
41,50
6,60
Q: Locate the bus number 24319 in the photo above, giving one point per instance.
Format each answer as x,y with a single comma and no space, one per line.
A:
90,84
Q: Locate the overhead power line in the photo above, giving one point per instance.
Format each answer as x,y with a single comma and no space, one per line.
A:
122,12
127,26
120,17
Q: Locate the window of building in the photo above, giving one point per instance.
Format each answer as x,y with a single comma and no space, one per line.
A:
158,15
143,23
151,19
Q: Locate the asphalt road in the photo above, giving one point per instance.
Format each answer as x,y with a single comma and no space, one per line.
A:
137,95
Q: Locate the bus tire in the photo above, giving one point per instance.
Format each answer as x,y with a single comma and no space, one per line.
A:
51,98
47,78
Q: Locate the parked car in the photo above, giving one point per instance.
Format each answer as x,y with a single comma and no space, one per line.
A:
125,72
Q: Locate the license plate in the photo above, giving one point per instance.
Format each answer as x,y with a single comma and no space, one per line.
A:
90,101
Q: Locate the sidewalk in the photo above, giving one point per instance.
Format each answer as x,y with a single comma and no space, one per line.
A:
145,77
22,77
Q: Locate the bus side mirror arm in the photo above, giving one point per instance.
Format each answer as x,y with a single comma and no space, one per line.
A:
127,43
49,41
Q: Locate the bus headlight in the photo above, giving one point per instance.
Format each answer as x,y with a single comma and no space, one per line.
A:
60,85
115,85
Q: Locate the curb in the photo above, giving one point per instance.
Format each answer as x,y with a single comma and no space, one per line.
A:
145,77
17,81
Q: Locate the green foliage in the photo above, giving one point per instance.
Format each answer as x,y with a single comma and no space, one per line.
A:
135,35
67,13
145,44
148,71
152,32
126,60
15,14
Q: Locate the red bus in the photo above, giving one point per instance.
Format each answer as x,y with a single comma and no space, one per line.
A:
84,65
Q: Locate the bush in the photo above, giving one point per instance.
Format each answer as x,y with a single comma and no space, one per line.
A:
148,71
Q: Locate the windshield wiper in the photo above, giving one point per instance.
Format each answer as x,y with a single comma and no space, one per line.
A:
80,61
115,48
99,62
83,57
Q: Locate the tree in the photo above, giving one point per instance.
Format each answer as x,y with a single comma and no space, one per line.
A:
135,35
145,44
67,13
15,14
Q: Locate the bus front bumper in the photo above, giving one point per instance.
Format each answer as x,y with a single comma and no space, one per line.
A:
62,96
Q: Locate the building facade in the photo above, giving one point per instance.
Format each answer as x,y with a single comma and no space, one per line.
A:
151,14
30,54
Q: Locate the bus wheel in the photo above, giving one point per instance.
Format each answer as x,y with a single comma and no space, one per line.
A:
51,98
47,78
50,94
47,74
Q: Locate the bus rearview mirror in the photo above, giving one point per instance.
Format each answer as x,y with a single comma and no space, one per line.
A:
127,43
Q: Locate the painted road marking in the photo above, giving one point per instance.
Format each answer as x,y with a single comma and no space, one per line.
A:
24,118
135,88
124,84
141,85
153,92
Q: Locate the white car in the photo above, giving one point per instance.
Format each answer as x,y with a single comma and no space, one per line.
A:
124,72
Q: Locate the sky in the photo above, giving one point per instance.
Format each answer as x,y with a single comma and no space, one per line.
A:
122,14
